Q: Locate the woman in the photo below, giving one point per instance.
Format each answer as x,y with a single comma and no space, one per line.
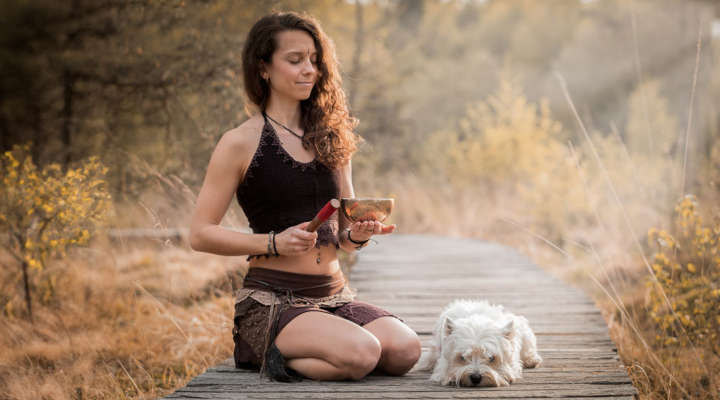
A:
295,315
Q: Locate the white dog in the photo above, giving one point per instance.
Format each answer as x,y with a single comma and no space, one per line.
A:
478,344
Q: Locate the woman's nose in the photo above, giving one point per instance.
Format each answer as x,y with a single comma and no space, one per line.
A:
308,67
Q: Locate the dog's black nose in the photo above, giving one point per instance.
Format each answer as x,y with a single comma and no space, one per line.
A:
475,379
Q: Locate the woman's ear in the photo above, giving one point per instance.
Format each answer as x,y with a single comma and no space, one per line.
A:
263,71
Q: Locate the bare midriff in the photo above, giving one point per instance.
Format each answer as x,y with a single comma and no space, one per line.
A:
303,263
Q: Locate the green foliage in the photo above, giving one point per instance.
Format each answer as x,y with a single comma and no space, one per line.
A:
47,211
687,267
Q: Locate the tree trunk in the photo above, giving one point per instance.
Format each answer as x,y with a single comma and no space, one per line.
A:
4,131
28,298
68,88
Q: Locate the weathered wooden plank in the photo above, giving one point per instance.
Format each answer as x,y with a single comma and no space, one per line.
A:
399,395
539,330
548,375
528,374
529,295
470,275
440,272
541,310
516,307
594,320
415,277
410,389
580,370
528,382
406,385
323,391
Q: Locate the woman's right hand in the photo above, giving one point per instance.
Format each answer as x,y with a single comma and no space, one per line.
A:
295,240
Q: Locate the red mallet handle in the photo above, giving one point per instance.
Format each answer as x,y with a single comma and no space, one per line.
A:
330,207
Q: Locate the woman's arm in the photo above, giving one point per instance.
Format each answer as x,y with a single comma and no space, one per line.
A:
359,231
227,166
226,169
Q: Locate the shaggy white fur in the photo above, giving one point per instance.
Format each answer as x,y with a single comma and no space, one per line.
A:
478,344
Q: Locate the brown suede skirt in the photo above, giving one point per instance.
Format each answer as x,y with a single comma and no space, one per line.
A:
270,299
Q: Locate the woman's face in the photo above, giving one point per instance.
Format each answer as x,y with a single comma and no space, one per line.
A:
293,70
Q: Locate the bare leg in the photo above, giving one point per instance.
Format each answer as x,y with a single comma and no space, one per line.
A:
323,346
400,345
316,368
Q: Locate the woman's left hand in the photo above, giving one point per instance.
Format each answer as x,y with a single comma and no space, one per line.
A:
363,230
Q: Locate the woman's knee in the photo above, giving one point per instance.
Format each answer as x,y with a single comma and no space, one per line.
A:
360,357
400,355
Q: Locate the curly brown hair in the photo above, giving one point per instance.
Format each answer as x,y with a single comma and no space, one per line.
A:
325,117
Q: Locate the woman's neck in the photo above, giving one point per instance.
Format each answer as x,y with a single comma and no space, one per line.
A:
285,111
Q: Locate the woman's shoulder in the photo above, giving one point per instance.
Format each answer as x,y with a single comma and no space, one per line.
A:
244,135
243,139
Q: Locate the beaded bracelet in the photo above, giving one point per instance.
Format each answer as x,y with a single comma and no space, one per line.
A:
360,244
271,239
274,246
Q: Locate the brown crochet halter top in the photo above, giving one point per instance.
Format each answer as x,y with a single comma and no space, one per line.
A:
279,191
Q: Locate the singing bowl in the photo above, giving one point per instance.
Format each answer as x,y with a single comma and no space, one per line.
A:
366,209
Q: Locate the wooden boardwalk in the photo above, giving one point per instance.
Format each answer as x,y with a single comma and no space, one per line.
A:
414,277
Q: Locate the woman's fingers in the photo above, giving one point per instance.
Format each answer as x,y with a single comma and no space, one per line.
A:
372,227
304,235
387,229
305,239
296,240
365,229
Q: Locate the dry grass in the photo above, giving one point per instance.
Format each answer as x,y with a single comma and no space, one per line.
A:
123,320
130,324
119,319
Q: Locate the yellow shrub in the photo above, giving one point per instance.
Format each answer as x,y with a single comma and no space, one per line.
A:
513,147
46,211
504,139
651,129
687,268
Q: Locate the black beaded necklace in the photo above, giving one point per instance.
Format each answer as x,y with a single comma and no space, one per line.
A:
286,128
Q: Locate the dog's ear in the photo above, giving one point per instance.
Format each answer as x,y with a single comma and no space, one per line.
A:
449,326
508,330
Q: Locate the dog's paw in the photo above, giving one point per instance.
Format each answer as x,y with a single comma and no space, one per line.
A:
426,362
532,361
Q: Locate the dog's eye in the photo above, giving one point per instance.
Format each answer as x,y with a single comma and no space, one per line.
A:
492,358
462,358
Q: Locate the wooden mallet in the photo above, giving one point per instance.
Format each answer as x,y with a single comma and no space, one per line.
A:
329,209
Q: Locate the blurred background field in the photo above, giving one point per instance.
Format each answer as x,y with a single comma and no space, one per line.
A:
583,133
